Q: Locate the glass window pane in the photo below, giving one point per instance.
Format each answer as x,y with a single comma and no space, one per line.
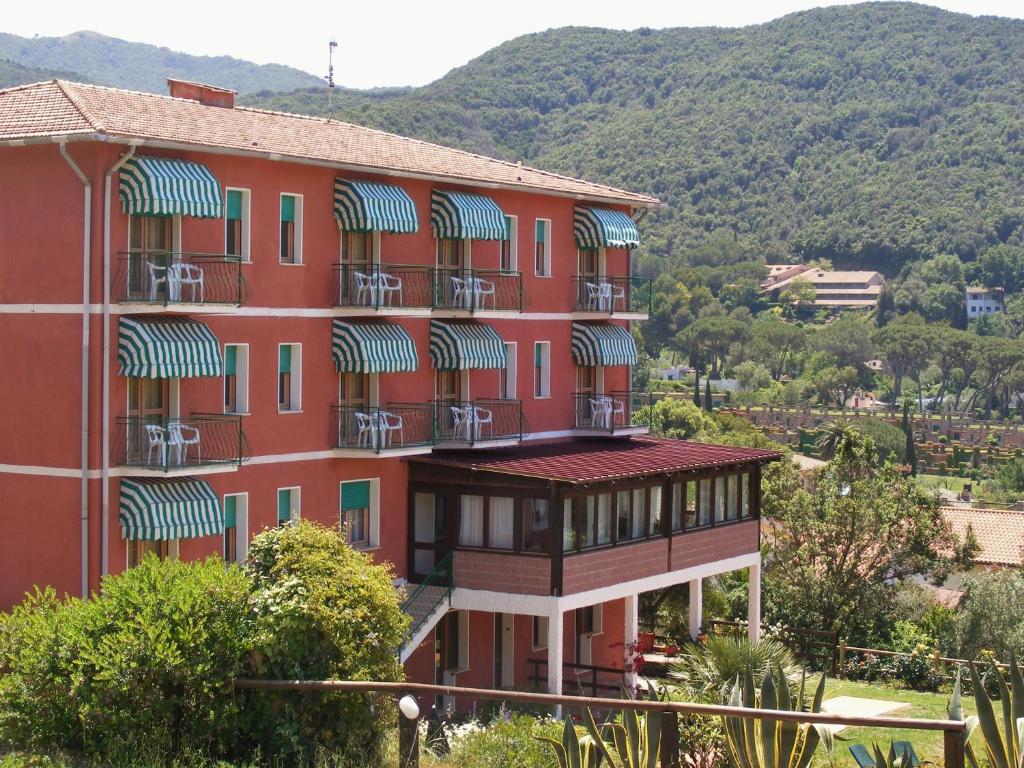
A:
604,519
677,506
734,497
639,508
589,521
471,521
655,527
719,499
745,510
691,504
502,513
568,525
704,508
535,525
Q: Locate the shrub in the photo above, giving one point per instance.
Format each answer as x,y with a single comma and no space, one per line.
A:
704,670
324,611
991,615
508,740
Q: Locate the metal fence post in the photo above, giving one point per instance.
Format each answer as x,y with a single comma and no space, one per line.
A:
669,739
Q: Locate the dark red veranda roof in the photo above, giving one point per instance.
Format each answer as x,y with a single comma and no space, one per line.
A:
588,461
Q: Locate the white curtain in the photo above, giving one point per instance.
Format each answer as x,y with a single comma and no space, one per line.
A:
638,513
655,492
502,522
604,518
471,521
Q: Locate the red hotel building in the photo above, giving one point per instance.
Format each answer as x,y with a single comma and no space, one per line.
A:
216,319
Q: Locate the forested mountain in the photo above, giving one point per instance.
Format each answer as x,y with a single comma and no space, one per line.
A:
12,73
871,134
109,61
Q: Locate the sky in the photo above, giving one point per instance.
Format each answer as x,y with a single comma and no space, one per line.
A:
389,42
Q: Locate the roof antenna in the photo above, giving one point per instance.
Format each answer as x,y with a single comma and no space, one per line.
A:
330,76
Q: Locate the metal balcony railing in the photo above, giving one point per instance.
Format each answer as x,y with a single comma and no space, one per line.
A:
376,429
479,421
478,290
612,411
174,277
193,441
612,295
384,286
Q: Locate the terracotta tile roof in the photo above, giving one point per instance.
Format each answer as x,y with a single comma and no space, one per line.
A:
1000,533
60,107
588,461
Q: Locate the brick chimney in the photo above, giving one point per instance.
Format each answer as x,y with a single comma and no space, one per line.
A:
210,95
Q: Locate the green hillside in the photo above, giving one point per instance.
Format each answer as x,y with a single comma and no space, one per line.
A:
12,73
138,66
869,134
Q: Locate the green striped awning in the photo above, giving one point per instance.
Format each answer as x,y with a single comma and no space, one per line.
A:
604,228
602,344
367,206
166,186
167,348
457,215
156,510
372,348
458,346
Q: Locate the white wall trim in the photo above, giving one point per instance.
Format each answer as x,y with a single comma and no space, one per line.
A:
207,309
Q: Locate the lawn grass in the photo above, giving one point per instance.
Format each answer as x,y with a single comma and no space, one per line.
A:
935,482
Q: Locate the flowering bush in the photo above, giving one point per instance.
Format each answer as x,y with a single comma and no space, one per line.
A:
509,740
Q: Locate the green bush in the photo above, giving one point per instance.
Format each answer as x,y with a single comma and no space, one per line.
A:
510,741
145,664
324,611
705,670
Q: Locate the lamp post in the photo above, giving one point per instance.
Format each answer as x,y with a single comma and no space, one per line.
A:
408,732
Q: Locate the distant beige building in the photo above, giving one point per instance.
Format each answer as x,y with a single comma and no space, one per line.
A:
831,288
981,301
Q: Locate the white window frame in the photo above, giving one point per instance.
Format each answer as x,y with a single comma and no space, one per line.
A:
547,248
241,378
296,377
545,370
241,525
513,243
298,229
246,222
373,524
541,622
295,492
511,372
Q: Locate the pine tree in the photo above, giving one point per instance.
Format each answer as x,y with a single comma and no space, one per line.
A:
708,403
696,388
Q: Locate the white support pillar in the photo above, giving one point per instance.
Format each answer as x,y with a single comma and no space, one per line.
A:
696,607
754,602
631,605
555,643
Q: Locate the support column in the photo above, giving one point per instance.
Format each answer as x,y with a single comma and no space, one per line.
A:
631,605
555,643
696,607
754,602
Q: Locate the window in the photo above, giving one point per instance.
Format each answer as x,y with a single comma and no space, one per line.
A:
500,533
137,550
719,499
745,509
639,511
509,372
452,254
542,265
604,519
691,504
509,246
589,620
236,232
289,377
358,514
288,505
733,500
623,514
454,641
236,378
535,525
540,632
542,369
471,521
570,525
655,513
678,503
291,229
236,527
704,503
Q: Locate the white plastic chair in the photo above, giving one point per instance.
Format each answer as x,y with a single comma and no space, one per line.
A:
157,442
601,411
366,289
180,437
605,301
190,275
462,421
617,293
157,274
618,413
460,292
389,285
593,296
366,436
482,416
389,424
481,290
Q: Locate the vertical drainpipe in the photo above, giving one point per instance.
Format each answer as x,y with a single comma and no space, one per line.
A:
105,451
86,264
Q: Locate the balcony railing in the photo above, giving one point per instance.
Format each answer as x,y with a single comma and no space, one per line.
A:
172,277
395,426
611,295
476,290
479,421
168,444
613,411
384,286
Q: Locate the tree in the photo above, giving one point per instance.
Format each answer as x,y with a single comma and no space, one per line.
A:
798,296
709,403
847,339
835,385
909,452
773,343
991,615
1001,266
752,376
838,437
904,344
835,553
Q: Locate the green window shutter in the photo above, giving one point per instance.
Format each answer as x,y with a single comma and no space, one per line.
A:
541,230
508,227
284,505
230,511
230,359
284,358
355,495
538,354
234,205
287,207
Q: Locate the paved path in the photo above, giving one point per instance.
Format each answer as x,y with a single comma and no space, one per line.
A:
854,706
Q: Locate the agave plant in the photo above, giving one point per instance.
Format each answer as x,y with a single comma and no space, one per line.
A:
574,751
890,759
704,669
762,743
1002,740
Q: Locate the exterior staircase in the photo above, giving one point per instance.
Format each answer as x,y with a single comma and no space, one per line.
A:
426,604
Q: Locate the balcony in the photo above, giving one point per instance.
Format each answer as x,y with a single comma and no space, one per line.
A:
464,292
171,278
384,289
195,444
397,429
628,298
613,414
478,423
